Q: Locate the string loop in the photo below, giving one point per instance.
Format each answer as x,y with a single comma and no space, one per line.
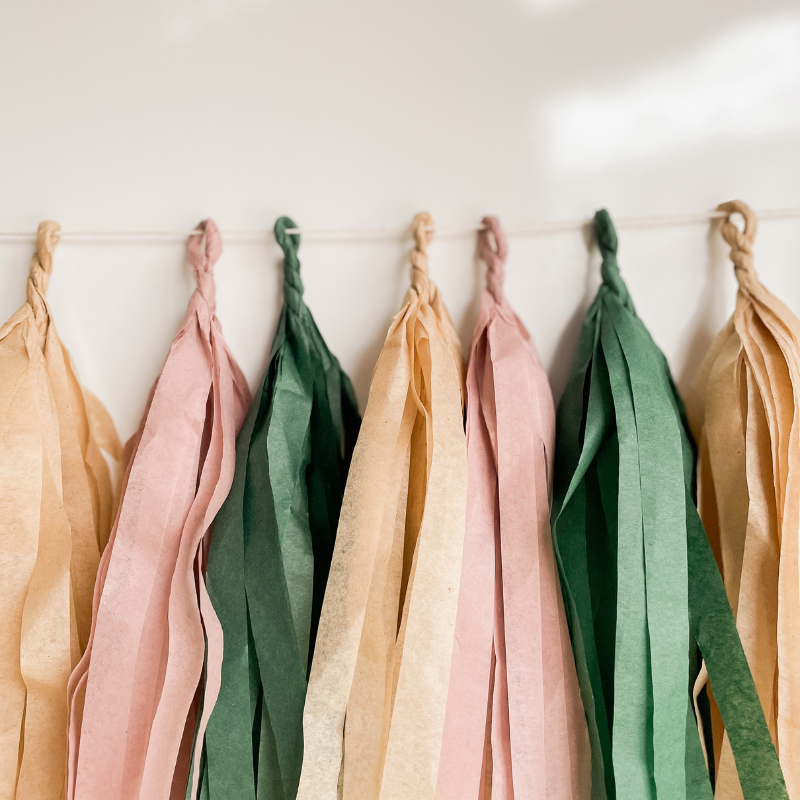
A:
290,244
203,250
420,281
493,249
41,267
741,242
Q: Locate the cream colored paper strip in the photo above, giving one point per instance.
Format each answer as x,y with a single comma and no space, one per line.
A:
745,412
377,693
56,506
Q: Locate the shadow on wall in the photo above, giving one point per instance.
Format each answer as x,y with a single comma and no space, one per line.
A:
564,352
706,322
361,374
469,316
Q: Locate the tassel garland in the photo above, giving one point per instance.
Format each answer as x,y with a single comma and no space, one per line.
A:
465,596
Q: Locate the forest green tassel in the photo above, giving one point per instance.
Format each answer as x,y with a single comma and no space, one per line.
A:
271,552
641,587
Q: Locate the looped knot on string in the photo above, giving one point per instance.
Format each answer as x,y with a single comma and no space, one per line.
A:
41,266
741,242
493,249
292,282
420,281
203,253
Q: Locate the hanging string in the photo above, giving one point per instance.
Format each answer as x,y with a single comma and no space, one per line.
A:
384,233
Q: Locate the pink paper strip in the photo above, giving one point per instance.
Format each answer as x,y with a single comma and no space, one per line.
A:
512,661
144,662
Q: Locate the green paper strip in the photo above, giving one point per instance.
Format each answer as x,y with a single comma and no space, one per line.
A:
271,552
640,583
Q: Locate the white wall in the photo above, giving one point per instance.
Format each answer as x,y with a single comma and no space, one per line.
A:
158,113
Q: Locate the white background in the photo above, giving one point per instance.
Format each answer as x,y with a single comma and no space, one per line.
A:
159,113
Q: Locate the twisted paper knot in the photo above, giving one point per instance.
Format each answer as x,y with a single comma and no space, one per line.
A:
292,282
420,281
493,249
607,242
41,266
741,242
203,252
